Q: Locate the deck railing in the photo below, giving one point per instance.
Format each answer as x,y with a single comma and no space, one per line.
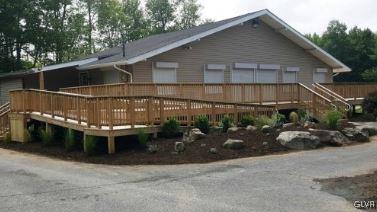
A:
4,119
352,90
240,93
111,111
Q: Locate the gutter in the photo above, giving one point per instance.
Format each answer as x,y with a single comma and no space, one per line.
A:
123,71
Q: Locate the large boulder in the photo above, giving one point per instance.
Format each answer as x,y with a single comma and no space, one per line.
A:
329,137
179,147
233,129
309,124
193,135
288,125
356,134
234,144
298,140
266,129
251,128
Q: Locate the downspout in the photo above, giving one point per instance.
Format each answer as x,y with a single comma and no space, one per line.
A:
124,71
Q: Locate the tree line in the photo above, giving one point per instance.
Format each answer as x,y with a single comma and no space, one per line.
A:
34,33
355,47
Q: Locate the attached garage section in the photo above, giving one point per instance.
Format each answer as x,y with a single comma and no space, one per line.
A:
267,73
243,73
7,85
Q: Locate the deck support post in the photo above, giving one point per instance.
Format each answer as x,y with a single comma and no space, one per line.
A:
18,126
48,127
111,144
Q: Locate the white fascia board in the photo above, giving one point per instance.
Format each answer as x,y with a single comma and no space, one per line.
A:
195,37
293,69
269,66
69,64
273,16
245,65
166,65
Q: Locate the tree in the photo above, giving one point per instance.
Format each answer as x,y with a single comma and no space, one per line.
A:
137,24
188,14
370,75
160,15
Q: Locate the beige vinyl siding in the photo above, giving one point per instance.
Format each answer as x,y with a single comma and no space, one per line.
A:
243,44
7,85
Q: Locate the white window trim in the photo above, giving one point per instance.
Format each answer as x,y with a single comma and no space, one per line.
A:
245,66
212,67
291,69
269,66
153,74
166,65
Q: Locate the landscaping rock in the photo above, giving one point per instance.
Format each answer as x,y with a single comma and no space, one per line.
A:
288,125
309,124
265,143
203,145
298,140
251,128
266,129
233,129
234,144
334,138
356,134
179,147
152,148
193,135
213,150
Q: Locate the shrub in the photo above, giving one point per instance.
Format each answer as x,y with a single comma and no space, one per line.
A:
8,137
278,119
332,117
226,123
47,137
262,121
170,129
302,115
370,104
247,120
71,142
293,117
202,123
91,145
142,137
33,131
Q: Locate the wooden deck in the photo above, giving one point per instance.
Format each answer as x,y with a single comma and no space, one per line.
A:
122,109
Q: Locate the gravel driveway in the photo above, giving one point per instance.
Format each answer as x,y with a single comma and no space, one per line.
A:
270,183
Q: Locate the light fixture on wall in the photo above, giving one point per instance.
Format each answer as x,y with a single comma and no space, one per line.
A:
255,22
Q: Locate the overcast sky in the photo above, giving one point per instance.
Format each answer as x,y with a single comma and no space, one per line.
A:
306,16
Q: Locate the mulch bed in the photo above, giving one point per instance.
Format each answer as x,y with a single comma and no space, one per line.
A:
357,188
129,153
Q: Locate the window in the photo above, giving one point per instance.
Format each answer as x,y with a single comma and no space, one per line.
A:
290,74
214,73
267,73
319,75
165,72
243,73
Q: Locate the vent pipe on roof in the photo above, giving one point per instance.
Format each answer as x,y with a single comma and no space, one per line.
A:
124,49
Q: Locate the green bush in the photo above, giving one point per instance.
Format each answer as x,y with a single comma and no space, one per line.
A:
293,117
71,141
91,145
34,132
332,117
202,123
170,129
278,119
47,137
263,120
370,104
226,123
247,120
142,137
302,115
8,137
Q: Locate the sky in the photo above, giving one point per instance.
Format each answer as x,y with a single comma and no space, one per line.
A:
306,16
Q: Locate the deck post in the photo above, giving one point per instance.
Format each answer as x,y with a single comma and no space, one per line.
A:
162,108
41,81
260,94
111,144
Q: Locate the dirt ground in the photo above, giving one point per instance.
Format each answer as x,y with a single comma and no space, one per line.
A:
130,153
357,188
